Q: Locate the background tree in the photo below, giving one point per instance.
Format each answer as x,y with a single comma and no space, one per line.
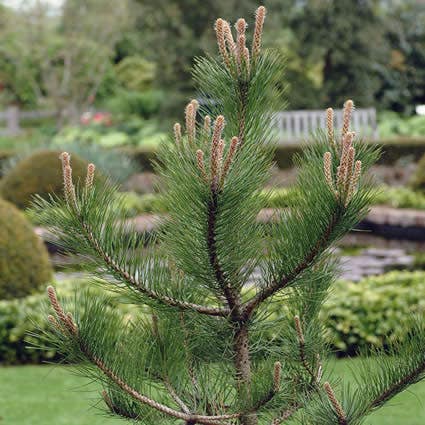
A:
404,75
203,352
347,38
64,57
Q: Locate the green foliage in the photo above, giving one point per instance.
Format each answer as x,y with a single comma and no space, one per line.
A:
144,104
329,33
373,312
20,319
403,75
396,197
134,132
392,124
135,73
24,262
115,164
134,204
38,174
400,197
418,180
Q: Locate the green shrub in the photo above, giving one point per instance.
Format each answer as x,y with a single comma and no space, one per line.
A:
392,124
144,104
24,262
20,318
41,174
418,180
113,163
373,312
135,73
401,197
141,204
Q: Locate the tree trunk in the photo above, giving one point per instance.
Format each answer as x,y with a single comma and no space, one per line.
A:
243,370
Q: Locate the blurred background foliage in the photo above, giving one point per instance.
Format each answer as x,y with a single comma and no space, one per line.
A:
138,59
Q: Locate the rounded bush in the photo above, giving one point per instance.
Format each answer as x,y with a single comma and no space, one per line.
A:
24,261
38,174
418,180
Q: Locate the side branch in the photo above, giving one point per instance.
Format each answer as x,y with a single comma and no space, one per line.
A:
171,302
398,386
193,418
64,321
286,280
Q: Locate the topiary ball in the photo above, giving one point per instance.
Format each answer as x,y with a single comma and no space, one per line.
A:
24,261
39,174
418,180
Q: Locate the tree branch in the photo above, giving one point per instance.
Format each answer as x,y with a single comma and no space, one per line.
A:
397,386
116,409
286,280
171,302
229,293
175,397
201,419
286,414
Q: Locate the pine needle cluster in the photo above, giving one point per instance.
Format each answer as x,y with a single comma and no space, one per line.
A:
203,350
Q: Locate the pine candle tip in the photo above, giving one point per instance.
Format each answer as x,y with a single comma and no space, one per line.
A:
218,25
65,158
349,104
189,108
90,175
261,11
334,401
219,120
241,25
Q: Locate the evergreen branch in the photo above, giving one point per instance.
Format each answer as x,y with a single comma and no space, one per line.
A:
286,414
229,293
398,386
301,344
66,321
243,97
289,278
116,409
191,418
277,371
176,397
124,274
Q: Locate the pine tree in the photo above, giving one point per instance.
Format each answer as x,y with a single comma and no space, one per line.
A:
204,350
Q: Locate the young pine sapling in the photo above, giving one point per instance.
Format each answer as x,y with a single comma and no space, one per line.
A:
204,349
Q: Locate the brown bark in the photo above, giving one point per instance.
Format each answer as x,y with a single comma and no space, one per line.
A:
243,370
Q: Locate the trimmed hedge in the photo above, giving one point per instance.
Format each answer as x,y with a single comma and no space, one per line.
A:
24,261
370,313
41,174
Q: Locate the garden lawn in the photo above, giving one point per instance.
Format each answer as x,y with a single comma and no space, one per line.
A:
46,395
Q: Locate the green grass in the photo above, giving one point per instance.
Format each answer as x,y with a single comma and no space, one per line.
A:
46,395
